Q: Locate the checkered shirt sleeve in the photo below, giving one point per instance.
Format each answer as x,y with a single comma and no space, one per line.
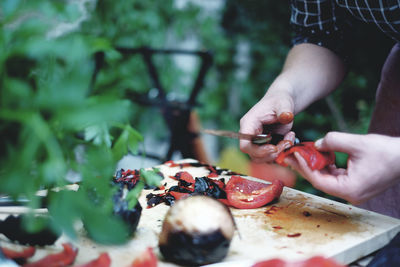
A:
321,23
328,22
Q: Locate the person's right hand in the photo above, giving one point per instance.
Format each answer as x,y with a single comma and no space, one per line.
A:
274,112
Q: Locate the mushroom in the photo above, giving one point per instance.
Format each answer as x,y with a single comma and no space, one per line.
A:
196,230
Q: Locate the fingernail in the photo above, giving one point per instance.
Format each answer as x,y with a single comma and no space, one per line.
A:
318,143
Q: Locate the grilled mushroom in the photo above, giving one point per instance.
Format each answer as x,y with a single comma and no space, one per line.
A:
196,231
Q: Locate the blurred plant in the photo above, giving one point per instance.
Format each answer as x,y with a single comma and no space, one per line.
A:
52,126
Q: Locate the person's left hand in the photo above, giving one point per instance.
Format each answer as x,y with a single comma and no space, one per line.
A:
373,165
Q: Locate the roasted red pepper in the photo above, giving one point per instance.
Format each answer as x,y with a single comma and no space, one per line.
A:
63,258
246,194
315,159
316,261
185,176
146,259
178,195
102,261
18,255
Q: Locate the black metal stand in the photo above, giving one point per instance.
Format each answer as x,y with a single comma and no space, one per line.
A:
176,114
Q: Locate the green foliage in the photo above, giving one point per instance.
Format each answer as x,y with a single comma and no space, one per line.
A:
52,124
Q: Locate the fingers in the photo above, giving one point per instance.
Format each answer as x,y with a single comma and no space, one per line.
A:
259,154
268,152
340,142
274,110
330,180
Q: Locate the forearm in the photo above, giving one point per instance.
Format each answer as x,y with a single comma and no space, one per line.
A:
310,73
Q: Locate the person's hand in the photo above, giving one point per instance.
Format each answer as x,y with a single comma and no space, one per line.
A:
274,110
373,166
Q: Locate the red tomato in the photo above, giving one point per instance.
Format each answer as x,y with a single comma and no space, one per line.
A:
316,261
23,254
63,258
246,194
102,261
315,159
146,259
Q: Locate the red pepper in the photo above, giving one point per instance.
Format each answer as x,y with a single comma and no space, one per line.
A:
316,261
213,175
146,259
178,195
315,159
63,258
102,261
185,176
219,183
17,255
246,194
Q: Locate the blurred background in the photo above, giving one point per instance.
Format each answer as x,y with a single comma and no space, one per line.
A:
140,78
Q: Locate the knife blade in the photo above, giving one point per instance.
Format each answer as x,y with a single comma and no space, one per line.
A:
259,139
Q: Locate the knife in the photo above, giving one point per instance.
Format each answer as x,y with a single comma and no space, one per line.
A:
258,139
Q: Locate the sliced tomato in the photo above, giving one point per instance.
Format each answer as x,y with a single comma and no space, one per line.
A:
315,159
22,254
102,261
63,258
246,194
146,259
317,261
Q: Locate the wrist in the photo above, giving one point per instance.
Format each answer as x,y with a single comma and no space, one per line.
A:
283,89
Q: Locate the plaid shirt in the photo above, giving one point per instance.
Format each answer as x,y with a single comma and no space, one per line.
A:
328,22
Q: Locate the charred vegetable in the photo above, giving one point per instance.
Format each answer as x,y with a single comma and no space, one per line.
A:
12,228
196,230
120,205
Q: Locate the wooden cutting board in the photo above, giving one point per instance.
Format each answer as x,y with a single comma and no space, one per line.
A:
297,226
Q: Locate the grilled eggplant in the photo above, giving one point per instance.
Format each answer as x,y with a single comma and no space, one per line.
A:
196,231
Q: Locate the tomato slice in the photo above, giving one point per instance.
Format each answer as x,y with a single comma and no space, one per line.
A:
102,261
146,259
246,194
63,258
315,159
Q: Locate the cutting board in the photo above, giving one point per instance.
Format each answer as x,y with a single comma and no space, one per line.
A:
297,226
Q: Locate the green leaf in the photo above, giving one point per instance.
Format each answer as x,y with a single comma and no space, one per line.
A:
133,195
98,134
9,6
65,208
120,147
151,177
105,228
134,138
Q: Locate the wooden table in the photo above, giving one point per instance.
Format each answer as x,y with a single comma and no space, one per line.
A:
297,226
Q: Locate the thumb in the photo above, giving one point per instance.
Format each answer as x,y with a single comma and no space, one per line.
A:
340,142
284,112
